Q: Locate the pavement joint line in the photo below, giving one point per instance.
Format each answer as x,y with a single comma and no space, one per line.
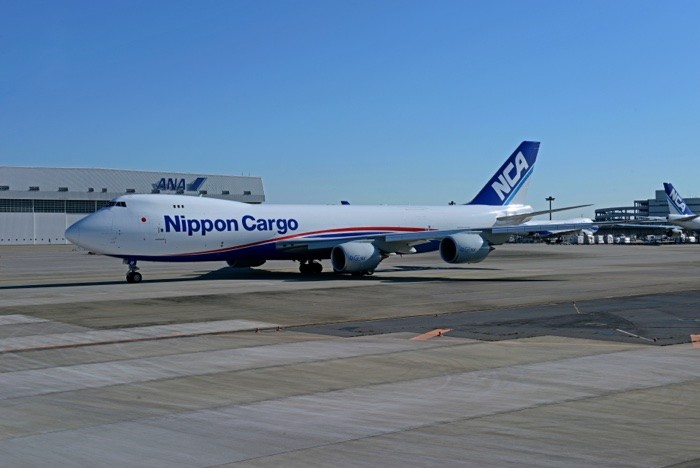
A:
252,326
635,336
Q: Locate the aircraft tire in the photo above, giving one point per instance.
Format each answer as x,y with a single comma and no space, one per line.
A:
133,277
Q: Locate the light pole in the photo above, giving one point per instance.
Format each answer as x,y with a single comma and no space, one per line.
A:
550,199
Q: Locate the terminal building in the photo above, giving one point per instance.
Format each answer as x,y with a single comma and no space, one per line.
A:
37,204
652,207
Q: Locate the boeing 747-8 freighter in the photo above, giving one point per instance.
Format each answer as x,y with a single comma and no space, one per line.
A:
178,228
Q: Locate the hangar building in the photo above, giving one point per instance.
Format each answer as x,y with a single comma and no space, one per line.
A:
37,204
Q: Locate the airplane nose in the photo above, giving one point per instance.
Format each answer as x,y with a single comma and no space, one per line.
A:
93,232
73,233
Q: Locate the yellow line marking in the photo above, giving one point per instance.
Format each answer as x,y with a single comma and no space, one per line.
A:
431,334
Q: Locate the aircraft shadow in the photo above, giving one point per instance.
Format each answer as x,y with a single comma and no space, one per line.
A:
379,276
87,283
254,274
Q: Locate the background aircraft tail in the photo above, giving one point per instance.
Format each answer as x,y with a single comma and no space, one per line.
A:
509,184
676,204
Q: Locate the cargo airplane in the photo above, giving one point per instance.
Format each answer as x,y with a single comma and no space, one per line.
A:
180,228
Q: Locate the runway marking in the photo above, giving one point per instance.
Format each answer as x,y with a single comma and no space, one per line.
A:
695,339
431,334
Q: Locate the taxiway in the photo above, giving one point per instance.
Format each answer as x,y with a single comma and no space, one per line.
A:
541,355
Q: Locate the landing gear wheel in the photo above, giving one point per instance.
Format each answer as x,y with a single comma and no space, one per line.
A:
133,277
310,268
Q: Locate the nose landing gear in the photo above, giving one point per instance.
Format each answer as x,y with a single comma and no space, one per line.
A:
133,275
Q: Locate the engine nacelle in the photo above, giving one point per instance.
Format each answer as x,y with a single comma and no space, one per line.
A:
674,232
253,262
464,248
355,257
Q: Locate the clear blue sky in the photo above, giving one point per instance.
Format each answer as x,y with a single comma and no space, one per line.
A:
391,102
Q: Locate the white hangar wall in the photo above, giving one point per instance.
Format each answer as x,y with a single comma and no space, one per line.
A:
38,204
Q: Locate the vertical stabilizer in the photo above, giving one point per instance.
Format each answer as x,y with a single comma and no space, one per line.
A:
676,204
509,184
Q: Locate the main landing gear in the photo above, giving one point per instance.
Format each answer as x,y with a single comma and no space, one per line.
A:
133,276
310,268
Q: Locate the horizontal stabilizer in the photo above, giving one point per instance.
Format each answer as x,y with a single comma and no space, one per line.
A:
403,237
521,218
686,218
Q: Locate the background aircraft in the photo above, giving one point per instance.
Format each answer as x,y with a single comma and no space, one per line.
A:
680,216
679,212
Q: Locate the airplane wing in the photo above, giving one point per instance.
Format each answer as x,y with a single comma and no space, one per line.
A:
649,225
404,242
393,242
666,228
662,219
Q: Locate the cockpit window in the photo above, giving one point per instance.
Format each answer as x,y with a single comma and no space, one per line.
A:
116,203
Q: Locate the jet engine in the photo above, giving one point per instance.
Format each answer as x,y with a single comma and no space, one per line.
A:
355,257
245,263
464,248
